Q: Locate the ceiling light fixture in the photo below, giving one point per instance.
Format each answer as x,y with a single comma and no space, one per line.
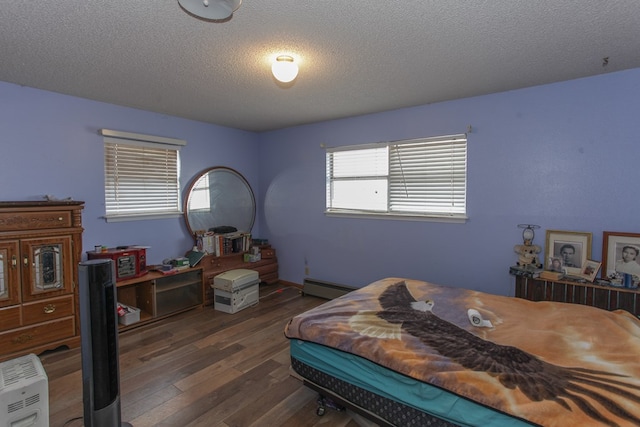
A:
213,10
284,69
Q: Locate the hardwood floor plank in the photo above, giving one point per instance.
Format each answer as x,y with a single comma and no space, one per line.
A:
135,387
215,372
134,409
245,386
287,408
263,402
203,368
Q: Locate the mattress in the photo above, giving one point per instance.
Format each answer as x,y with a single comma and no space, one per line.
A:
517,361
405,402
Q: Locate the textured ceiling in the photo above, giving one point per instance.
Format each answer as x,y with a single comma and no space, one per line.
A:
355,56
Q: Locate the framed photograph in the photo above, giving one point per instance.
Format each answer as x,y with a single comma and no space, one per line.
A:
620,255
590,270
572,247
555,264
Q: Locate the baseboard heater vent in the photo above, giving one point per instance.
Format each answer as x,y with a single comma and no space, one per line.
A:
322,289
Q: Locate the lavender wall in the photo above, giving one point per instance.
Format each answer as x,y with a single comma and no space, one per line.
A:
564,156
51,145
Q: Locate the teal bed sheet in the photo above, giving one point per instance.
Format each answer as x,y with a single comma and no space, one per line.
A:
384,382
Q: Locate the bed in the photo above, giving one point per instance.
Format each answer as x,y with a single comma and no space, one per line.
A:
411,353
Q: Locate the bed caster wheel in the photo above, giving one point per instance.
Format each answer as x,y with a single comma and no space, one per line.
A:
322,408
324,403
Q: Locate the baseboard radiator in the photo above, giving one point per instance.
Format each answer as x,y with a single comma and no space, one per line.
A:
322,289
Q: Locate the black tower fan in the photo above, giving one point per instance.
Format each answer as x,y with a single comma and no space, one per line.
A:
99,344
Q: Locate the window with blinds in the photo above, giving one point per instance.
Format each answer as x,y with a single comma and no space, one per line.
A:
424,177
141,176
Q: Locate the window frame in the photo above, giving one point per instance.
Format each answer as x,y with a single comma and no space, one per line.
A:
413,152
140,155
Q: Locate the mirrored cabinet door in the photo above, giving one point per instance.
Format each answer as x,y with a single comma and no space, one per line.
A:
47,269
9,273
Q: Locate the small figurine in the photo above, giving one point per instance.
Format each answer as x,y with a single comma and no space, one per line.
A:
527,251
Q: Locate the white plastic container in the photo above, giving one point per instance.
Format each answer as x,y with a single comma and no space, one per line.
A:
235,290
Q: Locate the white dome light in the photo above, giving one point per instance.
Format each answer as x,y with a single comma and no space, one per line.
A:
284,69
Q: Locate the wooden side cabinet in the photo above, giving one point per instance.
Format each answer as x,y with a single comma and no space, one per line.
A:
605,297
40,247
158,296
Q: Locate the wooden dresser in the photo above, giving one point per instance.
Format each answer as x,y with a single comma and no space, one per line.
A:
40,248
267,268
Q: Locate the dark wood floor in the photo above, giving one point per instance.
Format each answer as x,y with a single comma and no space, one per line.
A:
203,368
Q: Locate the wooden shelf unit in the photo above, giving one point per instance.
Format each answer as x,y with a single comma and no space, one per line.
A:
605,297
158,295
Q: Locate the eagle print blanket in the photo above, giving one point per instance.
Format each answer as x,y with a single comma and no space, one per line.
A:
553,364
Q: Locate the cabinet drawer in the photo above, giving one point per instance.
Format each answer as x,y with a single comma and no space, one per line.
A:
49,309
12,221
270,278
32,336
214,264
264,270
268,253
9,318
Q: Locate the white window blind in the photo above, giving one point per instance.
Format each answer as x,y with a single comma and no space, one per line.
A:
416,178
141,176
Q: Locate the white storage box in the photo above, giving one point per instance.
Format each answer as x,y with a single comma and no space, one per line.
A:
235,279
235,290
131,316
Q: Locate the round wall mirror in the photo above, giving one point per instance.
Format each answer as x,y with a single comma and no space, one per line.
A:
219,197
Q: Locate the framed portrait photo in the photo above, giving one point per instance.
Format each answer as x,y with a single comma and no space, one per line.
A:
572,247
620,255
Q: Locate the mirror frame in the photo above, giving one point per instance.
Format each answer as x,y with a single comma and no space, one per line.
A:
199,176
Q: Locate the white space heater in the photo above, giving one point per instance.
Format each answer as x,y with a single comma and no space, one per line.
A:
24,393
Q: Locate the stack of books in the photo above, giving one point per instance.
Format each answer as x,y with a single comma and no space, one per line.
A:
551,275
224,244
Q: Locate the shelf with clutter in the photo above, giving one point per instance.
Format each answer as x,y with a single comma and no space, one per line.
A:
557,282
585,293
154,295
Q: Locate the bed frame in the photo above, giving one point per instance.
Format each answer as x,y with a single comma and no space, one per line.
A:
377,409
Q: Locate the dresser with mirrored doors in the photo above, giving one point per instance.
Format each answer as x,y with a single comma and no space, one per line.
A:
40,247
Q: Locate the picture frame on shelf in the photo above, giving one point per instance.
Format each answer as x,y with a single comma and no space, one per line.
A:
590,270
572,247
620,255
555,264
